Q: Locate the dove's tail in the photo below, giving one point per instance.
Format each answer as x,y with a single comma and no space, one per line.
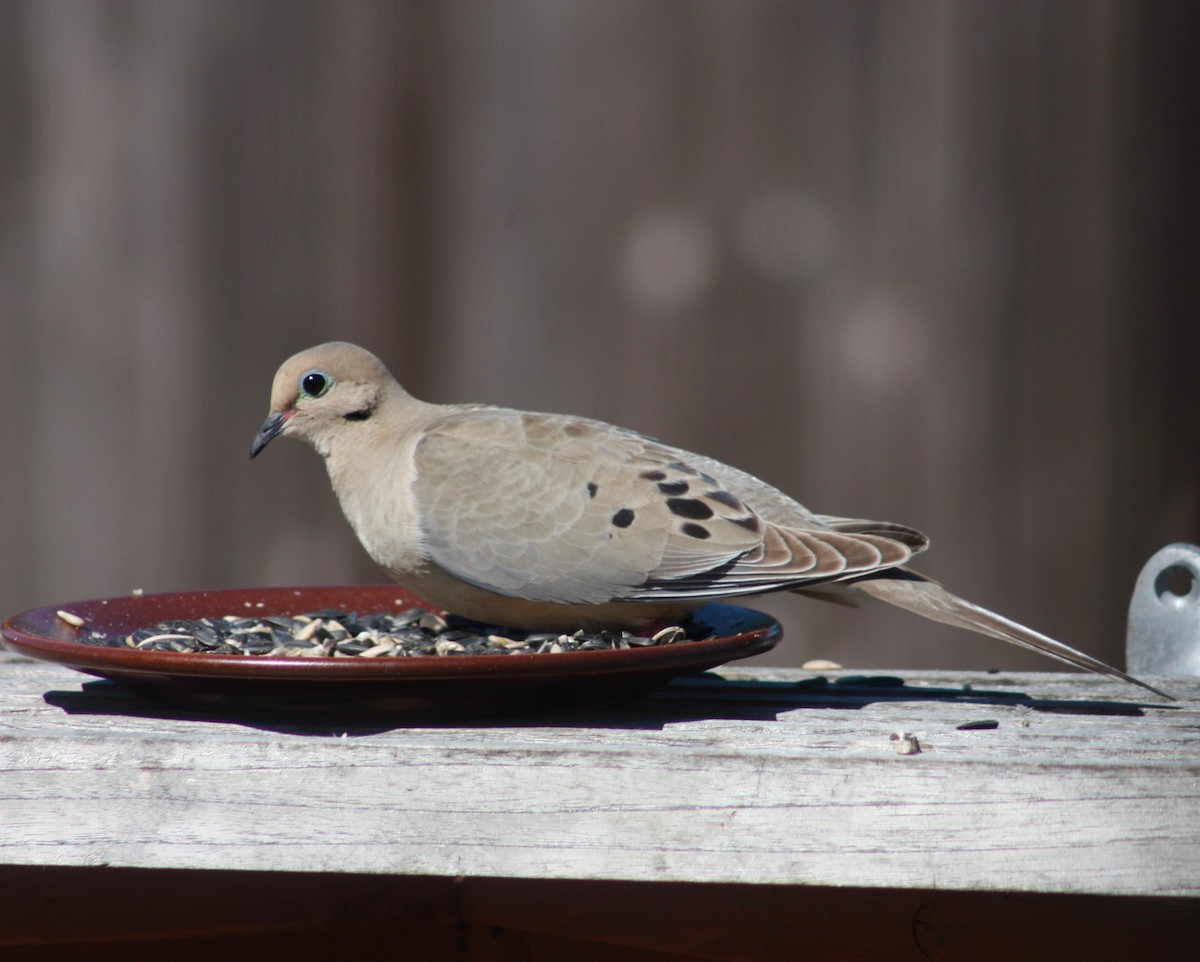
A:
907,589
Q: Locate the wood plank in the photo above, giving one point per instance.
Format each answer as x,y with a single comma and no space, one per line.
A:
745,777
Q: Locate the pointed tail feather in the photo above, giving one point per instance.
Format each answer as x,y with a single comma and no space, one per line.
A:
907,589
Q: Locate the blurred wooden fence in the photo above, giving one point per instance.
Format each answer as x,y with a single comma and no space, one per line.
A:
933,262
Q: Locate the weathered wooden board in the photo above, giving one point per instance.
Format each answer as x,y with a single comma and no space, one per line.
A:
747,776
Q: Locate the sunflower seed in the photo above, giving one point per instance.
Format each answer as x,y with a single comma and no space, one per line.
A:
413,632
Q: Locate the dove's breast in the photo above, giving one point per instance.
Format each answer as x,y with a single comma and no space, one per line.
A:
383,513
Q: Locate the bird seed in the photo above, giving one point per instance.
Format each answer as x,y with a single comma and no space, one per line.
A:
414,632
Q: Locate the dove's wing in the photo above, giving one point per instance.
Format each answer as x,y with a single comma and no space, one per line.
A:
568,511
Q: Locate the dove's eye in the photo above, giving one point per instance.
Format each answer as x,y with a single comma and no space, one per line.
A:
314,383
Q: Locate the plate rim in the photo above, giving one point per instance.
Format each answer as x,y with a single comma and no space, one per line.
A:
761,633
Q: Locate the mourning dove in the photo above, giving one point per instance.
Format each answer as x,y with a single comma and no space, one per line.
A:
551,522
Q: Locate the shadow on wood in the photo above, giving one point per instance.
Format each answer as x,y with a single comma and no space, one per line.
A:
708,696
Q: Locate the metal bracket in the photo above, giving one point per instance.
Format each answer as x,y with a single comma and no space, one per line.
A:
1163,637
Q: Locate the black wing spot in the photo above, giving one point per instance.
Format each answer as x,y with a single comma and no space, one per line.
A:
592,489
653,475
725,498
682,468
696,531
750,523
623,518
690,508
673,487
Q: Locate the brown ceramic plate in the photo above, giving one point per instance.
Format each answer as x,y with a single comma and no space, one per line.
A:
475,684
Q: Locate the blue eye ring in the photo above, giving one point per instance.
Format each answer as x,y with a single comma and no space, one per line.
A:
314,383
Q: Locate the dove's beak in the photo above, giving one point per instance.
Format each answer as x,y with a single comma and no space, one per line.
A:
271,427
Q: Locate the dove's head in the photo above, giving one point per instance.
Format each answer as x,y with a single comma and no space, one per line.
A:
319,392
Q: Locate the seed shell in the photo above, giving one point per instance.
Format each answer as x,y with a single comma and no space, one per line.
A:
413,632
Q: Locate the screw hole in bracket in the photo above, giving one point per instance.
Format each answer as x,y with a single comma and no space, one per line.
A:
1176,585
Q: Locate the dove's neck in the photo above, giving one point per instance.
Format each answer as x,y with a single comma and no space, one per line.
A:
371,469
